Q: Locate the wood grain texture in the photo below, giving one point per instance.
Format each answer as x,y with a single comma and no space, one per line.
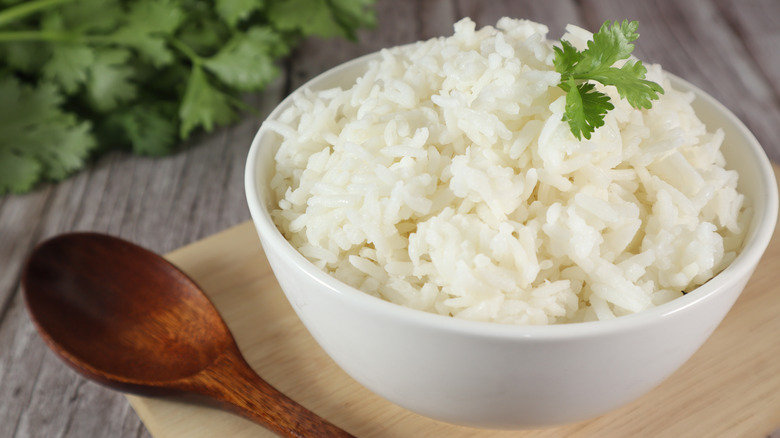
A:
727,47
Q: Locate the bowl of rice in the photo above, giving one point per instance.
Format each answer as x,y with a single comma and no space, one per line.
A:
455,249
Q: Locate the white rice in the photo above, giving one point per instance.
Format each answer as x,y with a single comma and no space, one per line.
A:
444,180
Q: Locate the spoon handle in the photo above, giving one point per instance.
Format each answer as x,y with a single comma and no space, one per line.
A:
232,382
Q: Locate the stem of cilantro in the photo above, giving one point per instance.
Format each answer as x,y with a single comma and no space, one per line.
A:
62,37
26,8
197,63
186,51
33,35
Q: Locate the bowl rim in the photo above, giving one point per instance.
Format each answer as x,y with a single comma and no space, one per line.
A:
758,237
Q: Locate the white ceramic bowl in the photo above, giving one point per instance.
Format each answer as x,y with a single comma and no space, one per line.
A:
499,376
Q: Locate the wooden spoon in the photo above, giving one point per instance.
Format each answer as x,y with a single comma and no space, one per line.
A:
127,318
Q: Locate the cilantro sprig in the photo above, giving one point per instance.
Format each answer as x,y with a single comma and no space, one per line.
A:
586,106
80,77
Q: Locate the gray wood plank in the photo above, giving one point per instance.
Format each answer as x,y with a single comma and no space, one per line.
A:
19,220
757,24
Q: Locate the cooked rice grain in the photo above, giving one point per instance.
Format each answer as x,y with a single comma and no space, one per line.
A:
445,180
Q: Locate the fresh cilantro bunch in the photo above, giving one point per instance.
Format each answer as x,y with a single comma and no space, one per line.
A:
79,77
585,106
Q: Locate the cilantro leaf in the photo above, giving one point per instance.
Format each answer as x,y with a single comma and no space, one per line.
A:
25,56
566,57
69,147
585,106
246,62
235,11
110,79
150,132
326,18
82,77
352,14
148,24
306,16
39,141
203,105
204,31
69,66
609,45
629,82
88,16
147,130
18,172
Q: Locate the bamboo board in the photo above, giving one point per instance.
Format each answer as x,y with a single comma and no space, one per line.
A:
731,386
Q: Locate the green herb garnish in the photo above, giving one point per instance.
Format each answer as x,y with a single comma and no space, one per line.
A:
585,106
79,77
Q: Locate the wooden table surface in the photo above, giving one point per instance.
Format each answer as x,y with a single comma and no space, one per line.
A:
729,48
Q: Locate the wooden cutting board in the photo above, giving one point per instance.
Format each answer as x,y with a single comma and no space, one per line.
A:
731,386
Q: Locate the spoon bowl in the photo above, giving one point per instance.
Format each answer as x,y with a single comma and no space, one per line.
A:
125,317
